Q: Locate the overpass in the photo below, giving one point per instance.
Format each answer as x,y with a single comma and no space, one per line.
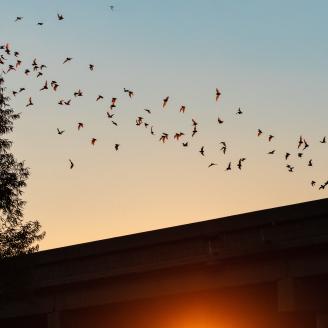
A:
262,269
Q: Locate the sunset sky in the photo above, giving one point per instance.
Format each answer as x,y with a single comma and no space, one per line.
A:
267,57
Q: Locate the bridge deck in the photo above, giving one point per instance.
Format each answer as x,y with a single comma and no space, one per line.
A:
283,248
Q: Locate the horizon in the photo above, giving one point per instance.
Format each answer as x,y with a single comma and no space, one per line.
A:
262,57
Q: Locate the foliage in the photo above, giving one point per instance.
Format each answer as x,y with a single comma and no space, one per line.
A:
16,237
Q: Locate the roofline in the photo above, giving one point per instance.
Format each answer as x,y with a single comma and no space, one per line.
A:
205,228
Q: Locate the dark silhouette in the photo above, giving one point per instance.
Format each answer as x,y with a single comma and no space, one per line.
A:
71,164
16,237
220,121
217,94
165,100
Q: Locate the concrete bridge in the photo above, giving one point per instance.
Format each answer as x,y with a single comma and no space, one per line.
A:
263,269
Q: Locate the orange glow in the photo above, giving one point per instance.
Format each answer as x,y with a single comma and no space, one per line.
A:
251,307
197,314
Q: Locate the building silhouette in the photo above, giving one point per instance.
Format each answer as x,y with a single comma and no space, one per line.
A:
262,269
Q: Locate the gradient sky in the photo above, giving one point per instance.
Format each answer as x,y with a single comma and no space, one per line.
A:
267,57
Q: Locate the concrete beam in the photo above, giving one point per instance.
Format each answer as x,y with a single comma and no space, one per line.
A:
54,320
322,320
286,295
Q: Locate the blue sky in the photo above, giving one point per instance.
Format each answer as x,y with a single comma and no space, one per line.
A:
267,57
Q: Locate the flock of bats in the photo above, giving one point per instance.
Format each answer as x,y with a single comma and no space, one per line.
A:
39,70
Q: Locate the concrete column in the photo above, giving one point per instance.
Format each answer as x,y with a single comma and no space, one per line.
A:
286,295
322,320
54,320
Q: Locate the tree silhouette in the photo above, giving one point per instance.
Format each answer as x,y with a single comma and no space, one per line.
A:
16,237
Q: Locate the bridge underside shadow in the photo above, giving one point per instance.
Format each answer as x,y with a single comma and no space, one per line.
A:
266,269
235,308
246,307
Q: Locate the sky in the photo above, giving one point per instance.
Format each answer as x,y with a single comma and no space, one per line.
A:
267,57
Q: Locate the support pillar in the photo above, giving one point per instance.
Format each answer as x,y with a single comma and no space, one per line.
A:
54,320
322,320
286,295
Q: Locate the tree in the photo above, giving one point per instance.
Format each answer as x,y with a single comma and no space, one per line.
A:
16,237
